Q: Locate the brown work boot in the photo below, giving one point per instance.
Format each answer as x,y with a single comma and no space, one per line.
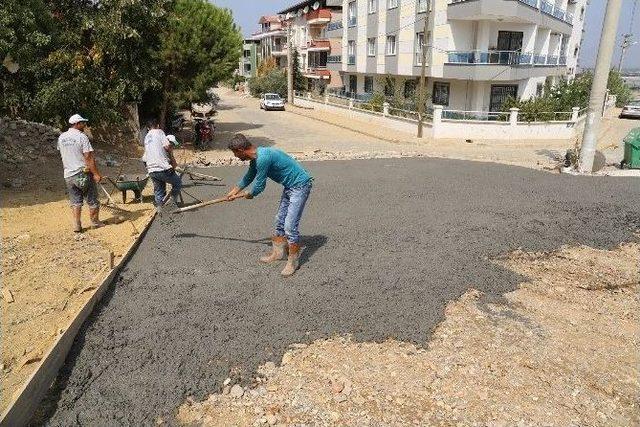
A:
77,223
94,215
292,261
278,250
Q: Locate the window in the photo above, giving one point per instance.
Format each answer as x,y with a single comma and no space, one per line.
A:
410,88
371,46
582,14
440,94
352,14
392,4
575,51
368,84
372,6
419,47
351,52
423,6
539,90
391,45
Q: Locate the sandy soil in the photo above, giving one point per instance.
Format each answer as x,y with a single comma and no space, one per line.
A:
48,272
560,350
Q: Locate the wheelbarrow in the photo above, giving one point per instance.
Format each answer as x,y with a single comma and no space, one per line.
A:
126,183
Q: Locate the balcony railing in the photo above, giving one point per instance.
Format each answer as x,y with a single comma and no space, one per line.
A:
351,60
320,14
503,57
543,5
353,21
334,59
332,26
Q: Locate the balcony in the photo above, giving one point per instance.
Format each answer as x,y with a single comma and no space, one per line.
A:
319,45
334,26
319,72
353,21
334,59
351,60
320,16
502,65
539,12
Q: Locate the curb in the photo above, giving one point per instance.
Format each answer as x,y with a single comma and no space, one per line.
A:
28,398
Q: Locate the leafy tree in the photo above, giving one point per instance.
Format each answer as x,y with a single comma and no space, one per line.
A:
200,46
273,82
299,81
266,66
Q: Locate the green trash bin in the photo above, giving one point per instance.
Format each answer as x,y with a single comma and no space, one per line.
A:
632,150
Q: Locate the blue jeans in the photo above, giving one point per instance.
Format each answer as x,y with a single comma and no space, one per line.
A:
160,181
290,211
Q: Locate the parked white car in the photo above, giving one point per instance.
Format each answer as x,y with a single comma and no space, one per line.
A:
631,110
271,101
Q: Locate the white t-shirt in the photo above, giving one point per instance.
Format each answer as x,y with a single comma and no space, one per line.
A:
155,153
72,145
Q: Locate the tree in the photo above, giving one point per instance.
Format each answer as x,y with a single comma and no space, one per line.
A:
266,66
275,81
299,81
200,46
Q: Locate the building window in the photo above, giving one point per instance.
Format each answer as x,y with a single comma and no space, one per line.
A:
368,84
410,88
423,6
391,45
351,52
539,90
575,51
582,14
419,47
391,4
371,46
352,14
440,94
372,6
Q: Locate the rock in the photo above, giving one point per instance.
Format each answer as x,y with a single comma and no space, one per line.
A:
227,381
17,182
271,419
286,358
339,398
236,391
23,237
226,390
336,387
7,295
262,420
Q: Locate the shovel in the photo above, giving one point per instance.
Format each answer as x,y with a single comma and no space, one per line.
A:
203,204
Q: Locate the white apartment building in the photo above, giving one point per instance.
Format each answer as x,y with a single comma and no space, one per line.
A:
272,39
478,52
315,32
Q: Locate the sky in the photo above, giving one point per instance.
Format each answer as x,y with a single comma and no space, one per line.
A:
247,13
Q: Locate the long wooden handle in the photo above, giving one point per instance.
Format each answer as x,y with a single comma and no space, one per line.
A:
199,205
197,175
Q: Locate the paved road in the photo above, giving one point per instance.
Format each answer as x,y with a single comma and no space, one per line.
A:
389,243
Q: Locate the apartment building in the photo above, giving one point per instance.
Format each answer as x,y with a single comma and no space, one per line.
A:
314,35
272,40
478,52
249,61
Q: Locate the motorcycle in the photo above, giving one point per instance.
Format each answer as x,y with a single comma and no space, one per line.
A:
204,130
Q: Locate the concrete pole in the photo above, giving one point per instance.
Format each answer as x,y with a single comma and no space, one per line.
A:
422,98
290,97
599,86
626,42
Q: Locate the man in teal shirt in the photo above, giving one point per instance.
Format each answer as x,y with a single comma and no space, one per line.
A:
266,162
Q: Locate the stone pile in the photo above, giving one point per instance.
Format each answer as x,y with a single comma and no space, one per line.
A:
23,141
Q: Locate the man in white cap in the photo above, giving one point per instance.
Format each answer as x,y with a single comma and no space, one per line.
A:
158,156
80,171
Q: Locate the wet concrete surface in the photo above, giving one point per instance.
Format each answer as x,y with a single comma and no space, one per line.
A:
389,243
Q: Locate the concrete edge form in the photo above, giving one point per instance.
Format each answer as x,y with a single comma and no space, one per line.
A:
23,406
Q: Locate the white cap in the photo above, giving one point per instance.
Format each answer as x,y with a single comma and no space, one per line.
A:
172,139
76,118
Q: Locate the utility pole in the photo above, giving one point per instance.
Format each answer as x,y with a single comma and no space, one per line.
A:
290,97
423,70
599,86
626,42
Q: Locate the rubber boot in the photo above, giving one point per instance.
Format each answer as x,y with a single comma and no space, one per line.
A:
278,250
94,213
292,261
77,222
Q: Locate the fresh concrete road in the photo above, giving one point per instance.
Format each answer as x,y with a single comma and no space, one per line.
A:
389,243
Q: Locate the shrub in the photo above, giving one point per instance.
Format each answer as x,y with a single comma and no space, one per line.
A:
275,81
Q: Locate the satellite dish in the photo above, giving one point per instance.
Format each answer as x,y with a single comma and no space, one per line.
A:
316,5
306,9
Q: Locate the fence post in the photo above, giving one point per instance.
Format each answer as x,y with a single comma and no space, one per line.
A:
350,103
574,114
308,95
437,120
513,116
385,109
326,98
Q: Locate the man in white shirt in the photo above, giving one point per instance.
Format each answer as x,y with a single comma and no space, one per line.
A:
80,171
158,156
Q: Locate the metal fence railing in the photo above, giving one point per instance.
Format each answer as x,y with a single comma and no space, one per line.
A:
484,116
545,116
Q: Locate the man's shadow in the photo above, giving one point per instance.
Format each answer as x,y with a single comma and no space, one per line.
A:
311,244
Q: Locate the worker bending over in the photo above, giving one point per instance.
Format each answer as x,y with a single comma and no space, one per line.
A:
272,163
158,156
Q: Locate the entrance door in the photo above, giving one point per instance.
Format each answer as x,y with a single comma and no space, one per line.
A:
499,94
353,85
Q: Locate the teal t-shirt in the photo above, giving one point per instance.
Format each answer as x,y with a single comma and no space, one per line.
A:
277,165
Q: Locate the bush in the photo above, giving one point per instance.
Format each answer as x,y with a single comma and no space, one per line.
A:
275,81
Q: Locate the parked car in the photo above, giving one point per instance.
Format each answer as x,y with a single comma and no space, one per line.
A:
631,110
271,101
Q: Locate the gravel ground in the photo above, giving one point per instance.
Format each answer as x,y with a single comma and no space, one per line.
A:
389,243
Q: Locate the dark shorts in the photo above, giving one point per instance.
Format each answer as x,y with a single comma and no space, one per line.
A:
81,186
